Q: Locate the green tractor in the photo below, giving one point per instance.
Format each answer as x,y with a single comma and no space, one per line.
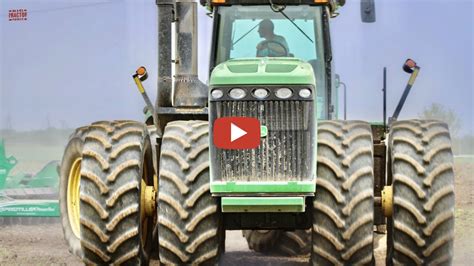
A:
258,149
27,199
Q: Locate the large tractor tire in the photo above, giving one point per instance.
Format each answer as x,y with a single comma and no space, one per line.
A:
295,243
343,208
116,222
190,228
422,222
262,241
279,242
69,179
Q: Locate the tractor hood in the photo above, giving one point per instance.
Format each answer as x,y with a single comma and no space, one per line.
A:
265,71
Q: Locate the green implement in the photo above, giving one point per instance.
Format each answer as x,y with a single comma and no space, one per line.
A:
26,195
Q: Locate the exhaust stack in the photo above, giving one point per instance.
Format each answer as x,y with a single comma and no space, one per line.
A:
189,91
165,85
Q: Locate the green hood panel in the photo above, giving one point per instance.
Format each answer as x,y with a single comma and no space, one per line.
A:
265,71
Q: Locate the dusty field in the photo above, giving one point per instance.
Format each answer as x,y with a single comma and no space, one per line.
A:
464,227
44,245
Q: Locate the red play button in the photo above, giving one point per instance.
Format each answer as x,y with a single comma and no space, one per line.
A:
236,133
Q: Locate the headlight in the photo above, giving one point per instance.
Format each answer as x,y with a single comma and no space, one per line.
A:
237,93
260,93
217,94
283,93
305,93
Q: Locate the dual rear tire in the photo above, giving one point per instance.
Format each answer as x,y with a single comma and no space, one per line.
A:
279,242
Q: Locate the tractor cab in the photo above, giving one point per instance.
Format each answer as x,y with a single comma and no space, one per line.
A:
267,31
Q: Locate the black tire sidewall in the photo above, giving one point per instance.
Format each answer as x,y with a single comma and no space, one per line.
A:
72,152
262,242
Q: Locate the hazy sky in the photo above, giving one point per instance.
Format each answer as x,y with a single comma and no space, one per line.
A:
71,62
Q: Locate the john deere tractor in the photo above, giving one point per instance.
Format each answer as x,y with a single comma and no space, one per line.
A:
313,184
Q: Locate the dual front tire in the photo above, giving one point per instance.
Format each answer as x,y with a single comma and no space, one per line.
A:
105,169
421,229
421,221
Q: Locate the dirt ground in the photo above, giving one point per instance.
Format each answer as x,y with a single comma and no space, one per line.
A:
44,244
464,223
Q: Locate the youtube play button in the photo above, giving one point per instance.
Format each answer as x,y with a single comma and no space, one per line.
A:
236,133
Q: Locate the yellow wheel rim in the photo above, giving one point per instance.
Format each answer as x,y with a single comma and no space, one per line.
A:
73,191
143,216
147,219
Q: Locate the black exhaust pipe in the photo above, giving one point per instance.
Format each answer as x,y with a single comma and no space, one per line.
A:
188,90
165,18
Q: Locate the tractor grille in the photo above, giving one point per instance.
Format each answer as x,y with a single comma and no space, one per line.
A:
285,154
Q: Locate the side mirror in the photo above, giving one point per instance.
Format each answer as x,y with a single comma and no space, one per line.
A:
367,11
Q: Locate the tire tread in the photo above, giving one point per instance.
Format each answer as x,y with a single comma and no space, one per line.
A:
342,232
423,187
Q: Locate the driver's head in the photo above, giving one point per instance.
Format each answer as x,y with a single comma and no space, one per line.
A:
266,28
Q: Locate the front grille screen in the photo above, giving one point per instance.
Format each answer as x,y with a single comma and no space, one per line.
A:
285,154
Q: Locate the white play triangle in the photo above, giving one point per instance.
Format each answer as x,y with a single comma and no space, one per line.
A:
236,132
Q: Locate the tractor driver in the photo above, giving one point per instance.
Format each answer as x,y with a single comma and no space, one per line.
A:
273,45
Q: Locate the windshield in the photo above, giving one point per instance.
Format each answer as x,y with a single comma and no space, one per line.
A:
259,31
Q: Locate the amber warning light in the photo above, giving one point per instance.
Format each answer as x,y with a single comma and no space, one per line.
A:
17,15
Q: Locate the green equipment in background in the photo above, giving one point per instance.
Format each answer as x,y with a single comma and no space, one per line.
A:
27,195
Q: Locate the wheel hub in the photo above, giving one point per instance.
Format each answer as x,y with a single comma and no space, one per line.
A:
387,201
148,199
